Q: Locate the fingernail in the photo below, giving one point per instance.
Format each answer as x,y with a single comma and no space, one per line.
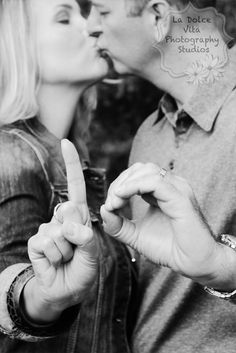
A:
63,141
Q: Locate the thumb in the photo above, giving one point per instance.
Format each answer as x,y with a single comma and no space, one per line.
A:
119,227
112,223
82,237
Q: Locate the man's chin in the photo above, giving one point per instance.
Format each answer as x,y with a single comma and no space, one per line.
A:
120,68
116,68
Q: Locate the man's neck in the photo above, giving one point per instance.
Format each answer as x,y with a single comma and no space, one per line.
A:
178,87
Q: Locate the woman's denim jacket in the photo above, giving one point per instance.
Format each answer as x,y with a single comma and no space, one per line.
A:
32,182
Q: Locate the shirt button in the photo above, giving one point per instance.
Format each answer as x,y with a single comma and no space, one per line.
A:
171,165
95,178
118,320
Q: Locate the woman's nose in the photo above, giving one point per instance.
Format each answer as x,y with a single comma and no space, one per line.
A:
94,23
83,24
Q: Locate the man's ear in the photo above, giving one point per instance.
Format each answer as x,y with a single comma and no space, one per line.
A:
159,12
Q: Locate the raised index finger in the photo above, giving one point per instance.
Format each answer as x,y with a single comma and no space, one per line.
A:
75,176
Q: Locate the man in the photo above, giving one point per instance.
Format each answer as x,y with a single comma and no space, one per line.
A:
193,135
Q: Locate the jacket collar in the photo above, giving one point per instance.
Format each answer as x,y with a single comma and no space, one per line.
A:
54,144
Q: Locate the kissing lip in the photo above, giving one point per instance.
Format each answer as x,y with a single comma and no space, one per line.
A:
102,52
105,55
112,75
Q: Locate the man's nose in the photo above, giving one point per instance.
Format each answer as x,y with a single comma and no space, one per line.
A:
93,23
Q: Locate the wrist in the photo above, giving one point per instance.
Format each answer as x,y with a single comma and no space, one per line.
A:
36,309
223,275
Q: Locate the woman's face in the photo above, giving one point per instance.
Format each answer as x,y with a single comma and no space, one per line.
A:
66,53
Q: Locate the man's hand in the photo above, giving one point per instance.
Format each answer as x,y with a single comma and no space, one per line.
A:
64,252
172,232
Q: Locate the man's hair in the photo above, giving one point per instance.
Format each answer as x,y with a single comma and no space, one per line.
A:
135,7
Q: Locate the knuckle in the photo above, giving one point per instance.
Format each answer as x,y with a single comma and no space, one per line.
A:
43,228
47,243
68,207
111,190
31,241
112,185
152,167
89,238
59,238
90,234
64,206
137,165
57,259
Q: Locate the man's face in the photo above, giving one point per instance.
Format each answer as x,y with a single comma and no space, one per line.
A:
126,39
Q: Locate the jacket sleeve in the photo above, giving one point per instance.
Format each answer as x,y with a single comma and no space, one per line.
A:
25,203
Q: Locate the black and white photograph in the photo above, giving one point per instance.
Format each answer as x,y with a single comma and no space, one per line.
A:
117,179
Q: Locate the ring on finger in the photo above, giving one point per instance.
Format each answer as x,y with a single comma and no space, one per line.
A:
56,208
163,172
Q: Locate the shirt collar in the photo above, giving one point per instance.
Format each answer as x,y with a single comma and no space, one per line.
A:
168,108
207,100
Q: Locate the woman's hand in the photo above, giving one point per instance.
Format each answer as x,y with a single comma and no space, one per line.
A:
172,232
64,252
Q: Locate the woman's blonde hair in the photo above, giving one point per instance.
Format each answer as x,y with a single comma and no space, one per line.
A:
18,62
20,73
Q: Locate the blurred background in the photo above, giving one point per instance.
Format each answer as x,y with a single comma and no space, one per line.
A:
122,108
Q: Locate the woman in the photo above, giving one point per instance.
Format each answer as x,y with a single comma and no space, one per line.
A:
72,291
